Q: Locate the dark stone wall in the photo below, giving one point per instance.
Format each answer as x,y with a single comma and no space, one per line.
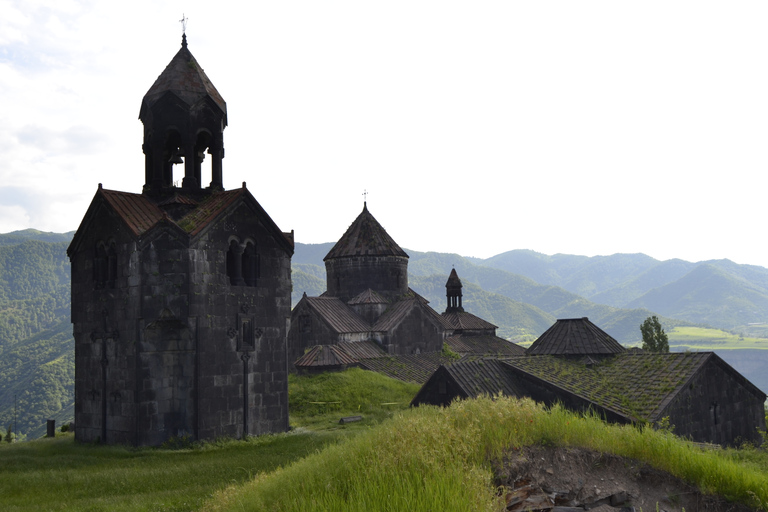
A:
187,353
717,407
416,333
440,390
242,332
306,331
105,356
348,277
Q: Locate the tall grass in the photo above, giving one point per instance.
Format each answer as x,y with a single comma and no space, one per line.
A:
59,474
440,459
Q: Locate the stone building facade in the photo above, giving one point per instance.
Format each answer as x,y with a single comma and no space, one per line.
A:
180,295
373,320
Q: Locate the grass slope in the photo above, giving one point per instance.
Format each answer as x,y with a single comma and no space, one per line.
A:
417,459
441,458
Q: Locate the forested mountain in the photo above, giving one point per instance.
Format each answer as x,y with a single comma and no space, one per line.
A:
519,306
36,343
719,293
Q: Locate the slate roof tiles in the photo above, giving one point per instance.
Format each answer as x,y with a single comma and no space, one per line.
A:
337,315
575,336
138,212
636,386
484,344
184,77
365,237
483,377
462,320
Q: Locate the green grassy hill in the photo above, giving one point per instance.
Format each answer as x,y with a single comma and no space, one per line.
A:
397,458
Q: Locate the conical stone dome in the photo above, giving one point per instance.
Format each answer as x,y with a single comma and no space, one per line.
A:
366,257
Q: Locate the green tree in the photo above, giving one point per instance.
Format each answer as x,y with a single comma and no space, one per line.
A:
8,435
654,337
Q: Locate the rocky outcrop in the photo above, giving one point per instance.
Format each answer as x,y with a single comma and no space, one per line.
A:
557,479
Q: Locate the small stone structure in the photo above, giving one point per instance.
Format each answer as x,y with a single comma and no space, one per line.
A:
180,295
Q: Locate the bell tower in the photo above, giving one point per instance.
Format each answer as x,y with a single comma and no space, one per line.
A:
184,117
453,293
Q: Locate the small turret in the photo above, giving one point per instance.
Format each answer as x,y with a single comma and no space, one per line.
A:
453,293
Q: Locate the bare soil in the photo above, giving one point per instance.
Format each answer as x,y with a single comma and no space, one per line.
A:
571,479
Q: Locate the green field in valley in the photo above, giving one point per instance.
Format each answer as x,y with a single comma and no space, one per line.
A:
700,338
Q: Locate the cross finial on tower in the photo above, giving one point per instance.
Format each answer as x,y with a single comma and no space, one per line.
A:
365,196
183,22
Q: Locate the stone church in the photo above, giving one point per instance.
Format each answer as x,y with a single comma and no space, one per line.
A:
180,294
370,318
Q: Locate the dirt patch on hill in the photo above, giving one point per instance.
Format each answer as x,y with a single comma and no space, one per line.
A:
572,479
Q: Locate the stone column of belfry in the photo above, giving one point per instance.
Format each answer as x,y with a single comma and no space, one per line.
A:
190,166
216,150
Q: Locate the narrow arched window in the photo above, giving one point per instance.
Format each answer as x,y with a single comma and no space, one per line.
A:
235,264
250,265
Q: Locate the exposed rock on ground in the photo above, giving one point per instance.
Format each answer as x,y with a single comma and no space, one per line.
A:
557,479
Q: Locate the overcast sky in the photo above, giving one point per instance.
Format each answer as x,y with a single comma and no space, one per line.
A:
480,127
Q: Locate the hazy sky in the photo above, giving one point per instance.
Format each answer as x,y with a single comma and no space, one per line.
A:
476,127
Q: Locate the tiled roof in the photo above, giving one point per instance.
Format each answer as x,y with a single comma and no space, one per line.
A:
400,309
208,209
324,355
339,317
575,336
138,212
484,345
365,237
483,377
453,280
408,368
635,386
361,349
184,77
461,320
368,297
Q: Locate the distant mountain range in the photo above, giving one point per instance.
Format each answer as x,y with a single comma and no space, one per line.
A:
522,292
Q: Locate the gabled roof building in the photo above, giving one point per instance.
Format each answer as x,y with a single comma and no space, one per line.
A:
368,300
577,364
180,294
